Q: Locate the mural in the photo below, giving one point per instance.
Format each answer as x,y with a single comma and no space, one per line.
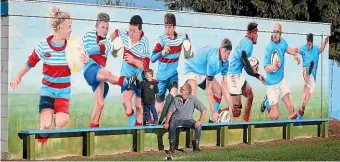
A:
46,92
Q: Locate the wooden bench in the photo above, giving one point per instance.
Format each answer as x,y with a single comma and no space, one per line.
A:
29,136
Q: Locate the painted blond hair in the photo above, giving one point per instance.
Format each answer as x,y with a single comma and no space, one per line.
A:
58,17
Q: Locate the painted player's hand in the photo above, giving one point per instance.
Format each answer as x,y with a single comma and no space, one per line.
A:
215,117
277,64
262,79
166,126
129,58
84,57
166,50
197,124
297,59
15,82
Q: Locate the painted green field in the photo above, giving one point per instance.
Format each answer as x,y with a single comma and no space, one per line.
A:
23,115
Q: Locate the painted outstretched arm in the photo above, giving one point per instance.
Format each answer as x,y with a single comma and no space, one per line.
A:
33,59
210,96
324,44
294,52
247,67
226,95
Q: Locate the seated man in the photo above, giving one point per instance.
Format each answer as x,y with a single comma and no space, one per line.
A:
180,112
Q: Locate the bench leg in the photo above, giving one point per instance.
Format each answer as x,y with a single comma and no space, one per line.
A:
88,144
218,136
28,147
289,131
251,133
187,138
284,132
224,136
245,133
191,137
140,140
160,140
324,129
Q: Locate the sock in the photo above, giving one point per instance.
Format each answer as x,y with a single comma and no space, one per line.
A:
92,125
267,105
122,81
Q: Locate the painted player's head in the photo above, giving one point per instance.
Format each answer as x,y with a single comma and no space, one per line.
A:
225,49
149,74
186,90
277,31
252,32
310,40
135,28
169,24
102,24
61,23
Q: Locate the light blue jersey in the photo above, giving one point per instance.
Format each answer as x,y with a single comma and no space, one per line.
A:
207,62
309,56
281,48
236,64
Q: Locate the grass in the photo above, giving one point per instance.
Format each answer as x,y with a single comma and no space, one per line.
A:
23,115
302,151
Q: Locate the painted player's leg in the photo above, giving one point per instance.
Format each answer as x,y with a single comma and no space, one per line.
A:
237,105
307,94
139,111
306,97
98,106
127,103
105,75
46,118
270,102
193,84
61,110
217,91
274,112
160,97
248,93
288,101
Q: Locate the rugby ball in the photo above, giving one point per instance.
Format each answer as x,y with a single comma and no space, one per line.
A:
254,62
73,51
224,116
187,49
275,58
117,47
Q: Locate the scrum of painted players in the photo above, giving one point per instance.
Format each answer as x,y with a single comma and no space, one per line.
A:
62,54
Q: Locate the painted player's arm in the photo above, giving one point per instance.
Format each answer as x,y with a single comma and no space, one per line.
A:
33,59
325,42
142,63
292,51
268,66
157,51
225,92
115,34
247,66
210,95
101,48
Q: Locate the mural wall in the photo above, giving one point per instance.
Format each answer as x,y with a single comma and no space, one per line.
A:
27,29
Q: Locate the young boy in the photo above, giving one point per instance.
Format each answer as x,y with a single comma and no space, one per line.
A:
149,89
